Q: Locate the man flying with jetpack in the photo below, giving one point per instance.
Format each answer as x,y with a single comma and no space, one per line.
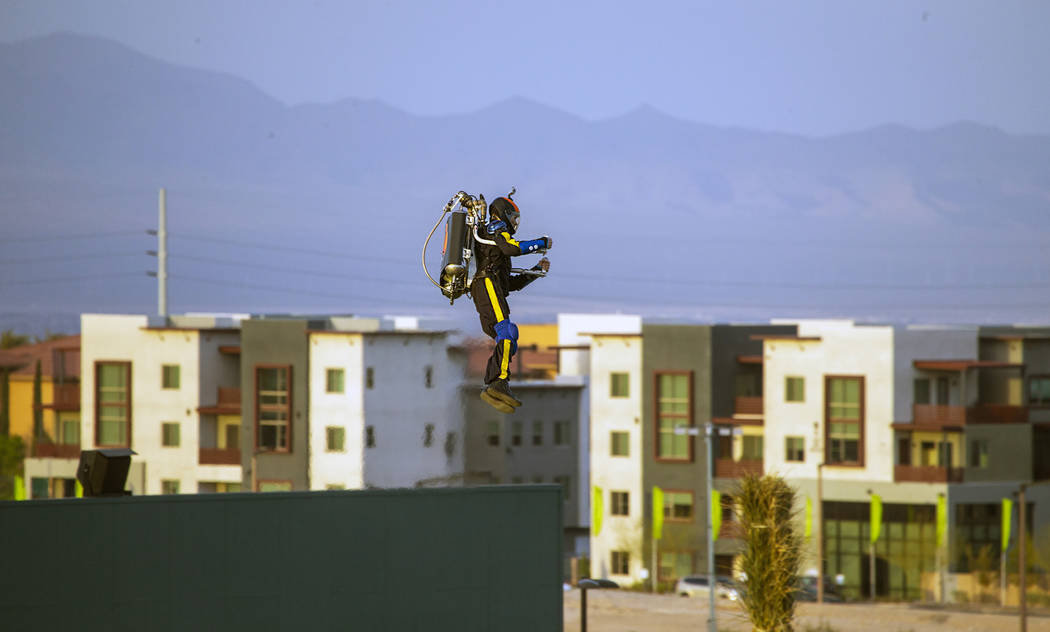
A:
491,285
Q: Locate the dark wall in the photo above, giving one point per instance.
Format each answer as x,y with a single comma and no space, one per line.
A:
460,560
276,342
728,342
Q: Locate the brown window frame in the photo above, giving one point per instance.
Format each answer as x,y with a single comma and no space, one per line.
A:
625,557
614,505
1028,393
668,509
259,483
127,403
692,563
861,422
287,406
688,416
787,449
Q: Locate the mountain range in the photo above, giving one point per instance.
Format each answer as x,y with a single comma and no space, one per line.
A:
324,207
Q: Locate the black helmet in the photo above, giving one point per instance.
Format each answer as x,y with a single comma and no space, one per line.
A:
505,210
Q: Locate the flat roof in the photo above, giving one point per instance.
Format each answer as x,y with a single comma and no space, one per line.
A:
383,332
962,365
611,334
785,337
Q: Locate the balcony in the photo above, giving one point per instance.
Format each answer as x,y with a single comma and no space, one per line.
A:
56,450
751,406
728,468
936,417
219,456
228,402
66,397
927,474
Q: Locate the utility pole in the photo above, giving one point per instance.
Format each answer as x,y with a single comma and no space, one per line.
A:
820,532
161,253
1021,555
709,431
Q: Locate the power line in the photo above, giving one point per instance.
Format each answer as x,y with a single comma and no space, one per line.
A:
334,275
89,277
69,237
249,244
286,290
101,255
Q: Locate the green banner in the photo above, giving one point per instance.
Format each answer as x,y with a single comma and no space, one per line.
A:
942,519
658,513
809,518
20,488
876,518
1008,510
597,510
716,513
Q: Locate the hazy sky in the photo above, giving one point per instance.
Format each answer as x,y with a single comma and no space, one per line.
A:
805,67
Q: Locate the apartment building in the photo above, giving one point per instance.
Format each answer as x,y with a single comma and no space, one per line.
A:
910,414
646,383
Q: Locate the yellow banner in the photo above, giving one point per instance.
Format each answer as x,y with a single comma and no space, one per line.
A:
79,490
876,518
942,519
716,513
20,488
658,513
809,518
597,510
1008,510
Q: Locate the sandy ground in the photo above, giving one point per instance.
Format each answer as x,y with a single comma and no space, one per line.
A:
623,611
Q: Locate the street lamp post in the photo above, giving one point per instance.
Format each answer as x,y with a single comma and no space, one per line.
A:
820,532
709,438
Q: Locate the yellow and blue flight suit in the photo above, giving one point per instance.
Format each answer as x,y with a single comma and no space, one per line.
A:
492,283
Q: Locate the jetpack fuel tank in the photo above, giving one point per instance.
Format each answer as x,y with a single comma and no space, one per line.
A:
455,262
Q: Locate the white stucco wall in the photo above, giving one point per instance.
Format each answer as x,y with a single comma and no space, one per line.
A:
400,405
617,354
844,350
122,338
346,409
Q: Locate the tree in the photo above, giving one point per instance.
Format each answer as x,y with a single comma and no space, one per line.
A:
38,411
772,554
12,454
9,339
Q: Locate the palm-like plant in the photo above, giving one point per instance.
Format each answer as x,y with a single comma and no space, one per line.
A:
773,552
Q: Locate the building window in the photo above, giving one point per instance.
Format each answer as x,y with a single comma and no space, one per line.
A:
450,444
753,448
170,434
428,376
675,564
334,487
335,381
678,506
516,480
620,443
492,433
1039,390
517,429
370,437
274,486
562,433
621,563
370,377
169,376
621,503
795,449
273,408
845,420
921,390
566,485
537,479
113,404
795,389
169,487
673,409
39,488
70,434
428,435
537,433
335,438
619,385
979,453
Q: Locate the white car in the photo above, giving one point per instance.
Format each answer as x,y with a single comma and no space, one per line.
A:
696,586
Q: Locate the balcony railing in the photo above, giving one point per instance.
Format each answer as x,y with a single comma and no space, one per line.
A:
747,406
56,450
927,474
227,402
66,397
219,456
936,416
728,468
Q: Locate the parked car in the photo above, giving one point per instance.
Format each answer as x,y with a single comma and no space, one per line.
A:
697,586
807,590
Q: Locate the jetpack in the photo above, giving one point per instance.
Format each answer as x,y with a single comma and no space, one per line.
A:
466,213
